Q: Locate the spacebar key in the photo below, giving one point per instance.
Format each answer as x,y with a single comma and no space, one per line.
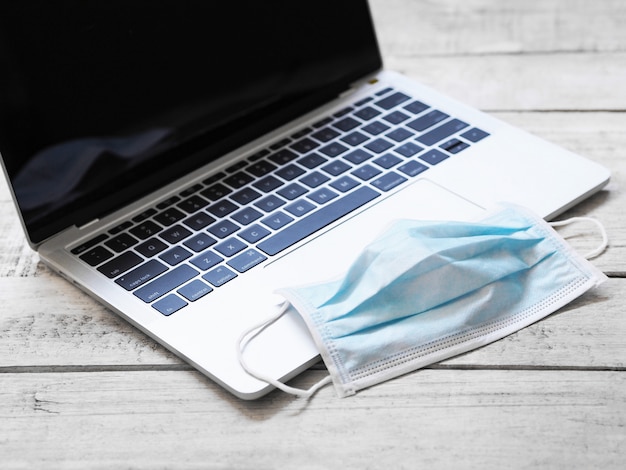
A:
317,220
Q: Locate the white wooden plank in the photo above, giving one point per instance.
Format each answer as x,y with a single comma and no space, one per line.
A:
486,27
524,82
46,323
438,419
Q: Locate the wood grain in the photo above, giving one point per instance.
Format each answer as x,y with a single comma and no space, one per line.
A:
80,388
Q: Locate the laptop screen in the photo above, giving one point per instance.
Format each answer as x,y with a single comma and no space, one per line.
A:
104,102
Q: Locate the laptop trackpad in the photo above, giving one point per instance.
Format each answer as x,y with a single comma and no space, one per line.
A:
331,253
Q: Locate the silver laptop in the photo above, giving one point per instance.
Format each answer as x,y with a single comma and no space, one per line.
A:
180,161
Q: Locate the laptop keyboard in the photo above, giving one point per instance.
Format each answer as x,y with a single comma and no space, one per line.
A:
192,243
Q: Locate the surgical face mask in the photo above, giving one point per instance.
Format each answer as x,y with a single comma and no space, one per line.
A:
425,291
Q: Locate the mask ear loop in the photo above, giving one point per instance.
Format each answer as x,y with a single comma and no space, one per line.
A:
605,239
252,333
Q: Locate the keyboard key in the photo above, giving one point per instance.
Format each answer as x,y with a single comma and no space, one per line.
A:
355,138
199,242
408,149
121,227
168,202
317,220
428,120
214,178
325,135
175,255
146,230
169,216
193,204
230,247
305,145
474,134
399,134
121,242
301,133
343,112
199,221
441,132
88,244
388,181
261,168
96,255
144,215
255,233
151,247
322,122
336,167
416,107
433,156
311,161
454,146
206,260
367,113
223,228
313,180
141,275
387,161
392,100
379,145
412,168
267,184
277,220
346,124
270,203
298,208
375,128
344,184
322,196
282,157
334,149
247,215
195,290
219,276
258,155
358,156
290,172
247,260
396,117
120,265
384,92
166,283
218,191
292,191
280,143
237,166
236,181
175,234
222,208
366,172
189,191
170,304
245,196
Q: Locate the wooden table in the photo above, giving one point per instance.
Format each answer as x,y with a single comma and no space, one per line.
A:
80,388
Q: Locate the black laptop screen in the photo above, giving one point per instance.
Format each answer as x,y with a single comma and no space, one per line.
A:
104,101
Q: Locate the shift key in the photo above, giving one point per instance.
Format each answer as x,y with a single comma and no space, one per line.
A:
164,284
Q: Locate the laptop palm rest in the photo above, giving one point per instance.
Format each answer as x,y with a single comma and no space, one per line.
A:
285,348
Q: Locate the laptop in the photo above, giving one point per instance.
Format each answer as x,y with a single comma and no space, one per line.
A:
181,160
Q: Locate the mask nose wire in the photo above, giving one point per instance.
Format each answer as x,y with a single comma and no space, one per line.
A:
605,239
251,333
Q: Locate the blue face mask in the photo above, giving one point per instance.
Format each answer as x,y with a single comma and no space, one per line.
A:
426,291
